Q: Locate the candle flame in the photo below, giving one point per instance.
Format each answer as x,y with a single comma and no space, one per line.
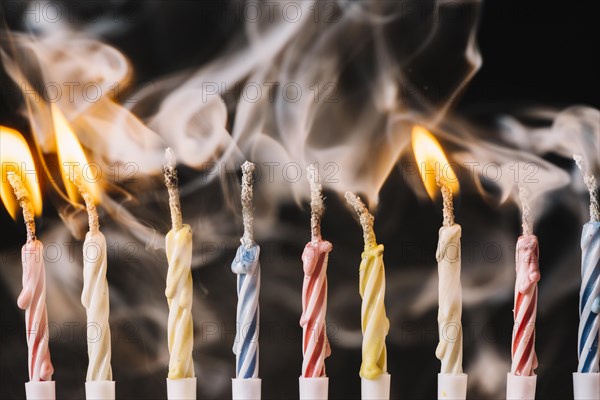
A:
432,162
16,158
72,159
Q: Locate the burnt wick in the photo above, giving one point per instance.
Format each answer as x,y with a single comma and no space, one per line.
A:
590,183
90,205
247,207
171,181
316,203
448,202
525,211
365,218
24,200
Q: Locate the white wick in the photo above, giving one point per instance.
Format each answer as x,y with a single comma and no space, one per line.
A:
171,182
90,205
247,194
447,200
24,200
365,218
590,182
316,202
526,211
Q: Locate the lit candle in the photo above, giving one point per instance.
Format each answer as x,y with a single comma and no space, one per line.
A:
375,382
452,383
521,381
181,381
315,345
16,157
94,297
247,385
586,381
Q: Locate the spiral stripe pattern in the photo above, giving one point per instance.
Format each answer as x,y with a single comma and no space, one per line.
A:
179,297
589,299
32,299
524,358
315,344
245,347
375,325
96,302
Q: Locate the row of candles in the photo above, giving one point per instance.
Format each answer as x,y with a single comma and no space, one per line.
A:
313,383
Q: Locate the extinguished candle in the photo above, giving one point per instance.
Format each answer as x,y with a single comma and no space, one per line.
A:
450,348
94,296
524,358
179,283
32,298
374,322
247,268
315,344
589,294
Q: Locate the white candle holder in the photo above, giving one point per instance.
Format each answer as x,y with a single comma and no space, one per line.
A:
452,386
40,390
181,389
586,386
246,389
100,390
314,388
520,387
375,389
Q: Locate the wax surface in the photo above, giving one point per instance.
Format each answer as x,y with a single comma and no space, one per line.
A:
450,348
179,297
315,344
524,359
95,300
33,300
589,298
375,325
245,346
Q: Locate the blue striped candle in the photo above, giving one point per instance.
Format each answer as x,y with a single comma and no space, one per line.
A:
589,298
245,347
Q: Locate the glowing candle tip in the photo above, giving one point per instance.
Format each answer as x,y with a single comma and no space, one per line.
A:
316,202
365,218
171,181
90,205
590,183
24,200
247,195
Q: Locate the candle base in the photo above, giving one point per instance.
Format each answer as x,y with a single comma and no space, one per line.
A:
181,389
314,388
520,387
452,386
375,389
40,390
246,389
100,390
586,386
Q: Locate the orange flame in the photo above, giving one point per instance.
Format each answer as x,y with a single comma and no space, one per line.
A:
16,157
72,159
432,162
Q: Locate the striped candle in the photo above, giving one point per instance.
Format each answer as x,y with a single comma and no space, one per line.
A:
589,298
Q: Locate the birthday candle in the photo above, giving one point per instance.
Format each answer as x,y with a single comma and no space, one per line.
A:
524,358
179,283
33,296
374,322
247,268
315,344
589,294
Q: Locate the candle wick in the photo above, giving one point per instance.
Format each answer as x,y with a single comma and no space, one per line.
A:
590,183
365,218
316,203
24,200
171,182
447,200
525,211
247,208
90,205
